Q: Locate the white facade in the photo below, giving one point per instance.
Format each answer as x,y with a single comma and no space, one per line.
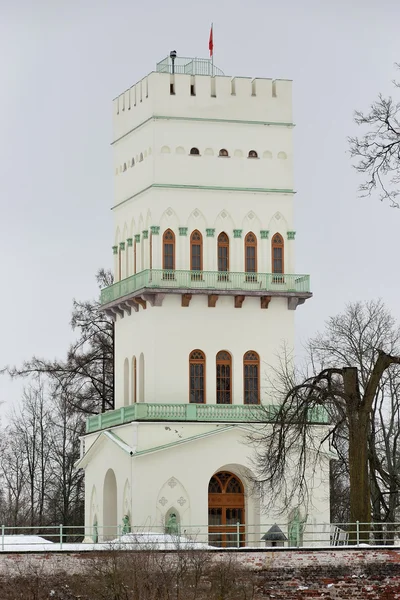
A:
169,133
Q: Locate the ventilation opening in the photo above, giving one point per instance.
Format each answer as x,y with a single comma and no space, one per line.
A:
194,152
172,89
192,90
253,154
223,152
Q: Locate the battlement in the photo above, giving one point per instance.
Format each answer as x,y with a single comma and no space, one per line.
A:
187,96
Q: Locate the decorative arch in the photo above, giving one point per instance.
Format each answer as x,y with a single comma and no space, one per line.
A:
223,252
180,150
194,152
223,152
267,154
252,154
173,498
126,502
141,157
277,253
165,150
224,377
168,250
197,377
209,152
110,514
134,380
226,508
250,253
238,154
126,382
196,251
141,378
282,155
251,378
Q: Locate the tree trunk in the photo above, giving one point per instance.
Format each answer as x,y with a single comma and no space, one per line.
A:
358,420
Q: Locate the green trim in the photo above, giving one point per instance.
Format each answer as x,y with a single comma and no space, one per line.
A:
264,234
115,249
216,188
158,279
210,232
155,229
237,233
203,120
129,242
183,230
291,235
145,234
122,245
229,414
137,238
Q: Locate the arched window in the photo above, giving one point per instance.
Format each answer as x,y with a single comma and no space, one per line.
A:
253,154
126,382
134,380
250,254
194,152
196,251
168,250
223,152
251,377
141,378
277,254
197,377
223,252
224,382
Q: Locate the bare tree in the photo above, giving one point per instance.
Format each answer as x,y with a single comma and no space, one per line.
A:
349,365
86,377
378,150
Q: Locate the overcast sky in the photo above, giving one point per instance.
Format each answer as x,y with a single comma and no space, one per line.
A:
62,62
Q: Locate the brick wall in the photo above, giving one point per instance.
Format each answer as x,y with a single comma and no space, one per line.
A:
302,574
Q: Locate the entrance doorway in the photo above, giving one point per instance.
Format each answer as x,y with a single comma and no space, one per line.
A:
226,510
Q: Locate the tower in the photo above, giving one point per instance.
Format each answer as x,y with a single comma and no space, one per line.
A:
204,297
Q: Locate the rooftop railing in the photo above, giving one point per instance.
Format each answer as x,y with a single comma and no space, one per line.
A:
275,283
188,66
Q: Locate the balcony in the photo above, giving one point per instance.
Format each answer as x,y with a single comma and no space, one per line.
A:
205,413
151,286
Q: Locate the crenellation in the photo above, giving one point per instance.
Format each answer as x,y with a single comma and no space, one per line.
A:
242,87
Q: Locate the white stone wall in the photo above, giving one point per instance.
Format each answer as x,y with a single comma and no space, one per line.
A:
167,334
191,466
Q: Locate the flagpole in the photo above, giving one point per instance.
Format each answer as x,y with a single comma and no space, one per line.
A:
212,55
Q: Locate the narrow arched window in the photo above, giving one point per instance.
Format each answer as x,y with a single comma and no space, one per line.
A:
194,152
277,254
126,382
196,251
250,253
197,377
134,380
223,152
223,252
224,382
253,154
251,378
168,250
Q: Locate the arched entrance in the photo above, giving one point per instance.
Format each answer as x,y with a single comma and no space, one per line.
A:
226,510
110,519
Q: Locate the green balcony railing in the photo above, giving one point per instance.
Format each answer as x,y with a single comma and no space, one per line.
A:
206,280
227,413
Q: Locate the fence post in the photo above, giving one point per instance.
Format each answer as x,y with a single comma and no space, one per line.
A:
238,533
358,532
2,537
61,536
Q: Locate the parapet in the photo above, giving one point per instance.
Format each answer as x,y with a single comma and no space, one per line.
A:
186,96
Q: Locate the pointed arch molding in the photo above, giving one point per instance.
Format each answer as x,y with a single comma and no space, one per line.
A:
173,494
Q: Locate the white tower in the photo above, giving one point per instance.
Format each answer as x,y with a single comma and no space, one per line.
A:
205,296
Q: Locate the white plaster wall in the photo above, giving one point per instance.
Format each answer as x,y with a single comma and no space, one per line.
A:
263,100
192,465
167,334
200,209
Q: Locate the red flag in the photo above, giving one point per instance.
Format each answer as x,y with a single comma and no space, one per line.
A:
211,42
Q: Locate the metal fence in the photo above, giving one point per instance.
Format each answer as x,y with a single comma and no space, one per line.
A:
202,537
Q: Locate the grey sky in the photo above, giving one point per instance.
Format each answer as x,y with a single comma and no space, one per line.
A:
62,62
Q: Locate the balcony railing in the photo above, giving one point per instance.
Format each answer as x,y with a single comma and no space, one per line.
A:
188,66
274,283
228,413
